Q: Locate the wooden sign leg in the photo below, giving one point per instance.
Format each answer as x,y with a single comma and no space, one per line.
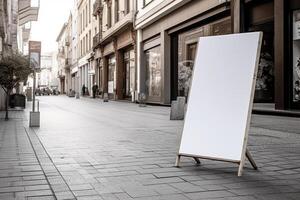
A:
250,158
242,163
177,161
197,160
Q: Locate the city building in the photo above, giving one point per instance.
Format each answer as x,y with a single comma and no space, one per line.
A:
64,57
61,56
168,31
115,48
87,28
75,86
15,18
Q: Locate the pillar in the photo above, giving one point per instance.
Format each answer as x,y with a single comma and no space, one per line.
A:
280,100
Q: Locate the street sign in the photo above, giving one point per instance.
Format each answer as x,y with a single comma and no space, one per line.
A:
35,53
35,62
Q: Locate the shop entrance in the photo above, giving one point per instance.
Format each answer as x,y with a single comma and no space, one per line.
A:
128,74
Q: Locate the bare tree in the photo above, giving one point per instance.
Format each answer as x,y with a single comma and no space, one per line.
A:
14,69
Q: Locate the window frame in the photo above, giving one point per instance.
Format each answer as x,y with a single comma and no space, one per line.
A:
146,4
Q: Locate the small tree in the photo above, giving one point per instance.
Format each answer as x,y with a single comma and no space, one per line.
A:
14,69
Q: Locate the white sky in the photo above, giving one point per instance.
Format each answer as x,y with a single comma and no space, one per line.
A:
52,15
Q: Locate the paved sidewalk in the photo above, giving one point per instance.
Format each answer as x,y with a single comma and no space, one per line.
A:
87,149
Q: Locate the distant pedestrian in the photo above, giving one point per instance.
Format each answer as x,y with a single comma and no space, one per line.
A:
83,90
94,88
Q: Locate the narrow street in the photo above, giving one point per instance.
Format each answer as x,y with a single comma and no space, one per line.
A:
87,149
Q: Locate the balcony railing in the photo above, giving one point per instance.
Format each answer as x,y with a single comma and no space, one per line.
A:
96,40
97,7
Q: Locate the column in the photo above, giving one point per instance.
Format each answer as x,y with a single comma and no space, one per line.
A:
166,67
105,75
280,100
139,75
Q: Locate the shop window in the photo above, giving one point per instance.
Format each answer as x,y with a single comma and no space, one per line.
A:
153,76
111,74
129,73
187,48
296,56
264,88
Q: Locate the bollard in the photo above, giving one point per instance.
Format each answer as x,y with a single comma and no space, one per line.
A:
178,109
142,100
34,117
105,97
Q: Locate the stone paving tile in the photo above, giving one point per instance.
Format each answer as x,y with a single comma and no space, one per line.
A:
92,150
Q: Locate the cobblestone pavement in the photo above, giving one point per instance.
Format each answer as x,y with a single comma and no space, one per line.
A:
87,149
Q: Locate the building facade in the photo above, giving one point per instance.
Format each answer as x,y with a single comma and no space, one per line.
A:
87,28
75,86
168,31
62,60
115,48
148,47
15,18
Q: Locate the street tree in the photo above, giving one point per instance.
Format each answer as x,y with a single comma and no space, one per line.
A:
14,68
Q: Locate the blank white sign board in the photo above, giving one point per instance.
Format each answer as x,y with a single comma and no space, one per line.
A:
220,100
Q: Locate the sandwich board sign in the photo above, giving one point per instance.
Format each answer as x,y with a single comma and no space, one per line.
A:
221,98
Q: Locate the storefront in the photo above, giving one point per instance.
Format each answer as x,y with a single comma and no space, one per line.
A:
279,67
185,43
116,68
169,47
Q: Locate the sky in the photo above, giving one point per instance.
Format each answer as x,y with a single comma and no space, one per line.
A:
52,15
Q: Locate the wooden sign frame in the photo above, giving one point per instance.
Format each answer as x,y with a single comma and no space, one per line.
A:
245,152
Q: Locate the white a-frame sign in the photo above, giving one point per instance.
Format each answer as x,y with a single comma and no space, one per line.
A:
221,97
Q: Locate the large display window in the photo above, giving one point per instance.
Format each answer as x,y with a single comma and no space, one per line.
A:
296,56
111,74
129,73
187,47
153,74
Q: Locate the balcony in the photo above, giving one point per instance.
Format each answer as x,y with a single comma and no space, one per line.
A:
97,7
96,40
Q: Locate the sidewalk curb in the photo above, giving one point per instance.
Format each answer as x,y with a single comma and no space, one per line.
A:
283,113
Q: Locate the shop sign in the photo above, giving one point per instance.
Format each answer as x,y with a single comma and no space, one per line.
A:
35,53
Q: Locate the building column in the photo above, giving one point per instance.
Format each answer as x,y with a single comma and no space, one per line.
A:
280,100
236,16
120,75
105,75
140,73
166,67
